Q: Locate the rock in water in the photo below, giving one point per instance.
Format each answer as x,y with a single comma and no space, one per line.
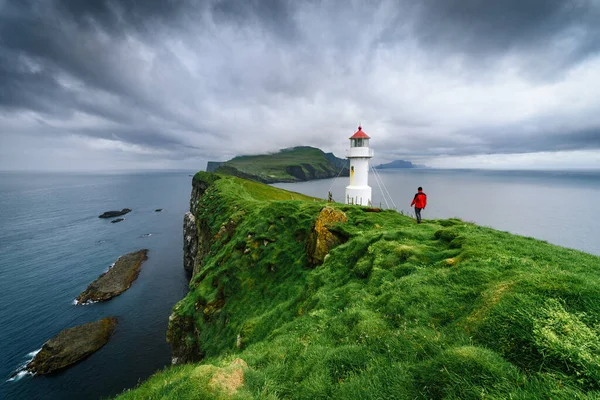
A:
112,214
321,239
116,280
158,210
72,345
114,221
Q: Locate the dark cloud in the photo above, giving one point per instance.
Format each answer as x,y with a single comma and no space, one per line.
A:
177,78
491,28
275,16
119,16
509,140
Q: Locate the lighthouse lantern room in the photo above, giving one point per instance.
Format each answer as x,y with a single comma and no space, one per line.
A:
358,191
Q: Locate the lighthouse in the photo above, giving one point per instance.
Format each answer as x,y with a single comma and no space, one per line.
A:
358,191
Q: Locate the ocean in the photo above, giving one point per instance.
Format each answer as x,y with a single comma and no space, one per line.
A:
53,245
560,207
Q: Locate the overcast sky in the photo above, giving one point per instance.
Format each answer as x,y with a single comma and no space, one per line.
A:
128,84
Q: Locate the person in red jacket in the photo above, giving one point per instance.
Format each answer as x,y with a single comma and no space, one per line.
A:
420,202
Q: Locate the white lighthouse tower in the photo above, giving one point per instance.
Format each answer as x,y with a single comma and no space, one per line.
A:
359,191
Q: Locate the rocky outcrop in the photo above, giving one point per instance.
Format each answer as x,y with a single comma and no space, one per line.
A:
182,335
116,280
114,221
112,214
158,210
190,241
200,183
72,345
320,239
196,234
205,240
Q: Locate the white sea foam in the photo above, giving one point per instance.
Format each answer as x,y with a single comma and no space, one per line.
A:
18,376
85,303
146,235
21,371
33,354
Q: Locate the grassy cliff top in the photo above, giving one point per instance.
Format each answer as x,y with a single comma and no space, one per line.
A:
236,190
444,309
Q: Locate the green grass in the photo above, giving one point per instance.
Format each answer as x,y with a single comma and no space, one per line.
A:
444,309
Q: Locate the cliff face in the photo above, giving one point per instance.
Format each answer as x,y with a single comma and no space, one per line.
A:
196,240
190,241
212,221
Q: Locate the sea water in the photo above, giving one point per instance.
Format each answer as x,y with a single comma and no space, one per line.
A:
561,207
53,245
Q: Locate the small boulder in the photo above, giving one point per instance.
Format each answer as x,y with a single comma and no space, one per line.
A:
320,239
72,345
114,221
112,214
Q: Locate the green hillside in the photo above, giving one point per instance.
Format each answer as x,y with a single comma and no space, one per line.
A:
444,309
290,165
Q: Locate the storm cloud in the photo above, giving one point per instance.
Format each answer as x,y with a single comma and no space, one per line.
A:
171,84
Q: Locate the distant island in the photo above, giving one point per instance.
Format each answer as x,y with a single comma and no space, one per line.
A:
295,164
399,164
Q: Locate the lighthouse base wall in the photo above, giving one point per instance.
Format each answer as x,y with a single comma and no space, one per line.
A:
358,195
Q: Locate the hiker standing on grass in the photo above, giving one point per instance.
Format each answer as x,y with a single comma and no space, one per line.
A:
420,202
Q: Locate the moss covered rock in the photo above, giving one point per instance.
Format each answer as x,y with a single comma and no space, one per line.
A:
72,345
321,239
182,335
116,280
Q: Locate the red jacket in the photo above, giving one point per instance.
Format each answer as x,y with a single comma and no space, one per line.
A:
420,200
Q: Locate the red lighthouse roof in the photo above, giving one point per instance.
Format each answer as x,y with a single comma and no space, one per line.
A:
359,134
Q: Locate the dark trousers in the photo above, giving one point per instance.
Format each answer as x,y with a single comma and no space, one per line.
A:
418,214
